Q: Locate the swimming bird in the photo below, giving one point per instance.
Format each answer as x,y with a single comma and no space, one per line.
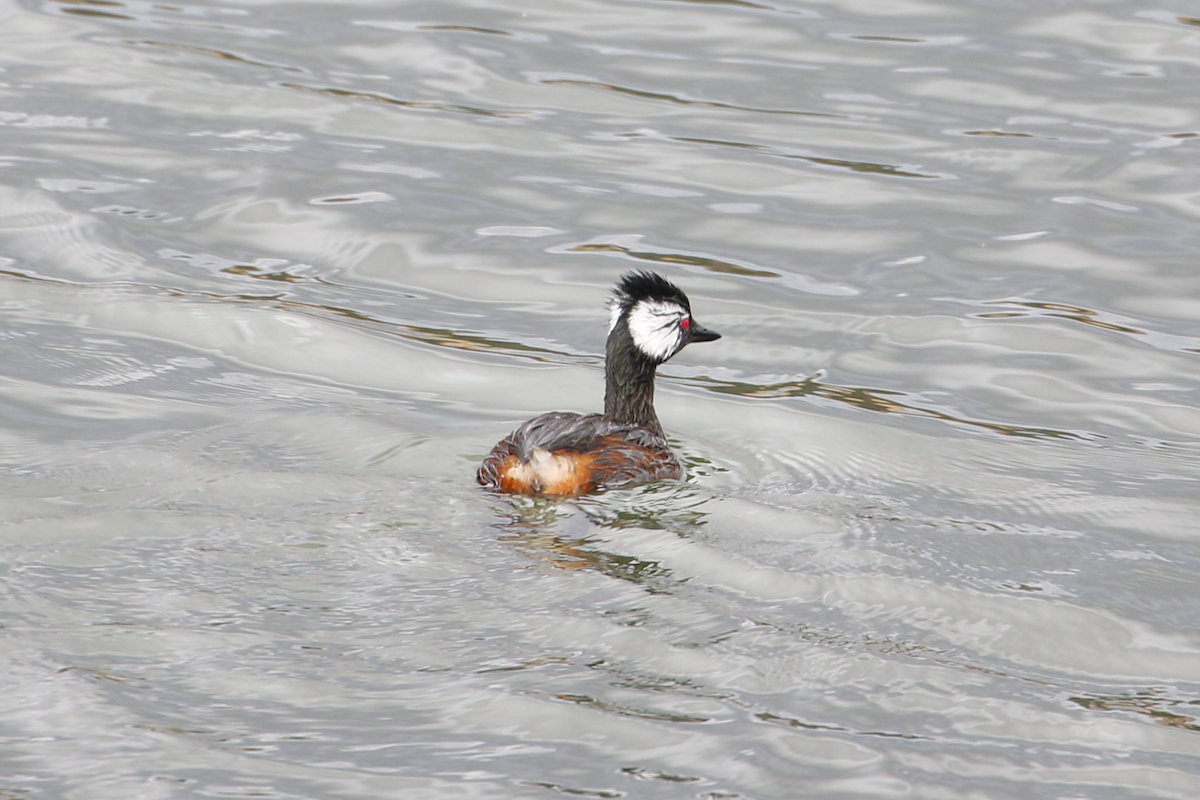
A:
561,453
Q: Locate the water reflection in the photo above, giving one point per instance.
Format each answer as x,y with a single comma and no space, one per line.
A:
535,526
877,400
415,105
207,51
890,170
1099,319
687,101
157,15
629,711
1152,703
791,722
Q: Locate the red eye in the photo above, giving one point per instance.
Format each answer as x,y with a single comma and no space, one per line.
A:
685,323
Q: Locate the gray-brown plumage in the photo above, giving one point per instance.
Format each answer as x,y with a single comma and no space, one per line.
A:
561,453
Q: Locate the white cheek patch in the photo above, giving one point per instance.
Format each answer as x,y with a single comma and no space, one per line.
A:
654,326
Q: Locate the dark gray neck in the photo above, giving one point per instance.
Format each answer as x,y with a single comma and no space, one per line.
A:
629,381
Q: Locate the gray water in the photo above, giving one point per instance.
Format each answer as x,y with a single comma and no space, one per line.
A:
275,276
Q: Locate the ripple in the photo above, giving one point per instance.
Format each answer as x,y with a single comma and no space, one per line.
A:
21,119
84,186
704,262
223,55
878,400
840,163
628,711
192,17
671,98
1104,320
415,105
416,27
934,41
1154,703
519,231
354,199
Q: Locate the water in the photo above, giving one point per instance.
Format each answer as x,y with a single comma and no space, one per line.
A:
275,276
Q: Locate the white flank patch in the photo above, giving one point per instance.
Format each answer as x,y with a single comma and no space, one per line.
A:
654,325
544,469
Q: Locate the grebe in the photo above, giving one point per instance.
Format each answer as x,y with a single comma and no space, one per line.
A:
561,453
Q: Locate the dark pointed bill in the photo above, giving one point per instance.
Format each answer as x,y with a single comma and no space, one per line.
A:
698,333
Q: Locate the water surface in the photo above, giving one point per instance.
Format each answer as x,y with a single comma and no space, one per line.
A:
274,277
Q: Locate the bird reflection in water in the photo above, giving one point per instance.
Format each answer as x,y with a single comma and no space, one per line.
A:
563,534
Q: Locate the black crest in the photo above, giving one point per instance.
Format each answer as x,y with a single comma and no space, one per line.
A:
635,286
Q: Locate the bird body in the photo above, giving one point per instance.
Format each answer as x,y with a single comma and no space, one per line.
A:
562,453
